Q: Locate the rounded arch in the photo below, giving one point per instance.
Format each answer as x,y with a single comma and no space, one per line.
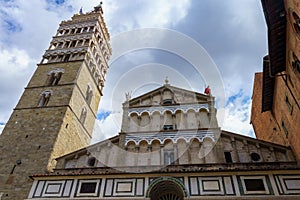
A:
195,149
168,141
103,70
294,19
143,147
93,46
167,112
145,121
191,110
130,143
191,118
208,139
97,56
133,114
178,110
180,120
194,140
155,144
181,139
133,121
166,188
203,109
145,113
168,119
143,143
153,112
203,118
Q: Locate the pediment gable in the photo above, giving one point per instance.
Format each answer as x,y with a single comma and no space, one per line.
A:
168,94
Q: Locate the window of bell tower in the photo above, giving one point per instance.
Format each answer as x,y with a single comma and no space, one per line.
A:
296,23
54,76
83,115
296,63
89,94
44,98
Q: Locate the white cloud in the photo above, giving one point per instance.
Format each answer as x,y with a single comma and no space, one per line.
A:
36,21
26,27
244,16
127,15
1,128
237,114
35,24
15,69
107,127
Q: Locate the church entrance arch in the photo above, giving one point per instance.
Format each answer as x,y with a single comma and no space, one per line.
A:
166,189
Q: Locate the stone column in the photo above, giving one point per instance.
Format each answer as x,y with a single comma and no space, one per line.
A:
236,155
125,118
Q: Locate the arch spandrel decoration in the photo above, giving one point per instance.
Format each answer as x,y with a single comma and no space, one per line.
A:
172,109
175,186
173,136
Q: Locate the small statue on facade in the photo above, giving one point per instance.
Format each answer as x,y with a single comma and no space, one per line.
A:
167,81
99,8
80,11
207,91
128,96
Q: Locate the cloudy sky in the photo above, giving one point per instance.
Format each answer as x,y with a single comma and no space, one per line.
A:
228,36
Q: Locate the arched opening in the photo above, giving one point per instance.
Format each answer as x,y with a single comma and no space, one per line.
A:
204,118
134,122
182,150
155,152
145,122
180,120
207,150
143,156
296,63
191,119
296,22
155,122
169,156
168,121
194,151
166,190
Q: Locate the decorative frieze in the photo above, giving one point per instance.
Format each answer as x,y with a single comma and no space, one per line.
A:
65,51
230,186
161,109
174,136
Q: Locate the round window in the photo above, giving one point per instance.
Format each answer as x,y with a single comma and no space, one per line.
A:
255,156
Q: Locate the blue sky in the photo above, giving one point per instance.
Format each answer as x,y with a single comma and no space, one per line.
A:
232,32
103,114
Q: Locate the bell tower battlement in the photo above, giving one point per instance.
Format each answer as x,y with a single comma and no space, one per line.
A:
84,37
57,111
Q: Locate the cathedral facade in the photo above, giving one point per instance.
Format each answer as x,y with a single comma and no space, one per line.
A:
170,147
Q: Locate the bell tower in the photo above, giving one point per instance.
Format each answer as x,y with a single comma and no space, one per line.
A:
58,108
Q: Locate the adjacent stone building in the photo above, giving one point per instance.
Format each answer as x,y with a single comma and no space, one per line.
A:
275,112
